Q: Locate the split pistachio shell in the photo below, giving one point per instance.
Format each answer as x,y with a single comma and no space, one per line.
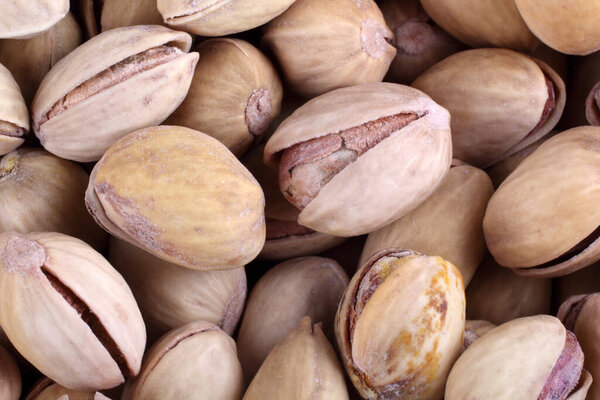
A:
119,81
180,195
400,324
26,18
170,296
218,18
48,390
44,193
234,95
14,117
542,221
302,366
103,15
394,146
500,101
10,377
307,286
325,45
197,360
83,327
474,329
532,358
448,223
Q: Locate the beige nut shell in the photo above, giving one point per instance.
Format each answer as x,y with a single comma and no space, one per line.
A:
45,389
26,18
12,110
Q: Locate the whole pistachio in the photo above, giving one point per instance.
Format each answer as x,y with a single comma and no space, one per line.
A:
82,328
448,223
14,117
400,324
532,358
46,389
302,366
27,18
325,45
356,159
197,360
10,377
542,221
500,101
234,95
119,81
474,329
193,205
103,15
307,286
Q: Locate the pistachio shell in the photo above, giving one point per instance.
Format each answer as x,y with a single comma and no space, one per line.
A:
48,390
180,195
474,329
302,366
138,94
325,45
197,360
448,223
83,328
14,117
10,377
26,18
103,15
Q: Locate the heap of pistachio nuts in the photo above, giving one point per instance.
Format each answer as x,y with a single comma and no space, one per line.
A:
299,199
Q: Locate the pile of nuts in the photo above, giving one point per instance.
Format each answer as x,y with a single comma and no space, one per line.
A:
299,199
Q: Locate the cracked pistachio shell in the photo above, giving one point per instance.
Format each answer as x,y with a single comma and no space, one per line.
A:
45,389
302,366
26,18
499,101
197,360
180,195
83,328
325,45
10,377
542,220
474,329
234,95
448,223
307,286
103,15
520,360
219,18
170,296
14,117
119,81
44,193
400,324
483,23
388,180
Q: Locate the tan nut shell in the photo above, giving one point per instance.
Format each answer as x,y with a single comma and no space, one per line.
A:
386,182
218,18
307,286
12,110
325,45
84,131
48,390
10,377
218,103
496,98
569,28
170,296
197,360
117,13
27,18
53,336
548,205
180,195
302,366
483,23
448,223
474,329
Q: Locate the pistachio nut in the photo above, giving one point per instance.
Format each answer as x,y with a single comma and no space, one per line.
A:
579,282
325,45
29,60
302,366
498,295
531,358
14,117
27,18
103,15
119,81
559,62
380,148
399,326
83,328
474,329
542,221
419,42
307,286
44,193
448,223
46,389
234,95
500,101
180,195
197,360
10,377
219,18
170,296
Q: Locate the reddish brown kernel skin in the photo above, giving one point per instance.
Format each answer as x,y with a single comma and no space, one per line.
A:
278,229
566,372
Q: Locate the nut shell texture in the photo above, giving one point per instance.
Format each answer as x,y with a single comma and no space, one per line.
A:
24,18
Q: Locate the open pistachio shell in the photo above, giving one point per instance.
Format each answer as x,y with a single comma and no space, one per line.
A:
542,221
10,377
26,18
45,389
399,326
14,117
103,15
119,81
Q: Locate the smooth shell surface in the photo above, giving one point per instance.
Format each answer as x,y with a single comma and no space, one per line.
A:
12,110
25,18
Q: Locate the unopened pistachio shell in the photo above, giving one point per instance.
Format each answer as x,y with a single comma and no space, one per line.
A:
14,117
10,377
26,18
